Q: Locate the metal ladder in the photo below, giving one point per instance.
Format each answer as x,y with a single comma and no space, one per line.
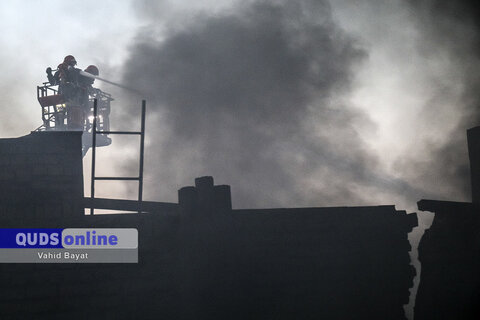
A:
142,146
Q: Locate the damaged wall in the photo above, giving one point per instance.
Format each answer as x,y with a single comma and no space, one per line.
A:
449,252
299,263
205,260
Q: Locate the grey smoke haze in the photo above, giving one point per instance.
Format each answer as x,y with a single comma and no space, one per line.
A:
395,88
255,97
450,34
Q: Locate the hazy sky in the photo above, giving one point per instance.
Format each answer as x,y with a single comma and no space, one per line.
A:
305,103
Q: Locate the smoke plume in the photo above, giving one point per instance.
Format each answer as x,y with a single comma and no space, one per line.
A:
256,97
450,34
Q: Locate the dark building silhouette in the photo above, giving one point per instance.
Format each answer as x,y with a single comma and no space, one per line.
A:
199,259
450,252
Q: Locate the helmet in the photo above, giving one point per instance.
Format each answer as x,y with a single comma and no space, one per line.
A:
92,70
70,60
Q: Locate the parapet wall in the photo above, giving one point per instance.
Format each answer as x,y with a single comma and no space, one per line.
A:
41,177
204,260
450,252
450,257
298,263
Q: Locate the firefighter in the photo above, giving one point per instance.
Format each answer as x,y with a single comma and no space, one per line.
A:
92,70
87,82
63,71
85,85
67,78
51,78
86,89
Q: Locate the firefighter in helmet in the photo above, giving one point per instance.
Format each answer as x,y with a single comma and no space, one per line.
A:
67,77
93,70
63,71
86,88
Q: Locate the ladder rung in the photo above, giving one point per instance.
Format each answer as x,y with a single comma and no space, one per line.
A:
116,178
117,132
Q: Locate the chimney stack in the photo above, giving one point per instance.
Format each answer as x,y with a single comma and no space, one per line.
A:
204,198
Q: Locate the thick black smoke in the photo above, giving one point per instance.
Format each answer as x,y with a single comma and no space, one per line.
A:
254,97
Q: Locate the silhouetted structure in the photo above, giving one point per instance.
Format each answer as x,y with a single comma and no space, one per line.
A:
41,176
450,252
199,259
